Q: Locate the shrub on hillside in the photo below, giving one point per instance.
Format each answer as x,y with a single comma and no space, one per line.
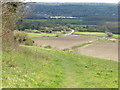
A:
59,35
66,49
48,46
22,38
29,42
109,34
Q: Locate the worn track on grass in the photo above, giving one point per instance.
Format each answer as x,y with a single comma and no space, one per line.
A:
71,80
74,69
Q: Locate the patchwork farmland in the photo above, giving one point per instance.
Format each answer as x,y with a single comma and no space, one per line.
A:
99,49
59,45
106,50
65,42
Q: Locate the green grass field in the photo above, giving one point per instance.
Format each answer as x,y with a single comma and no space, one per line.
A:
35,67
38,35
91,33
116,35
56,20
96,34
82,25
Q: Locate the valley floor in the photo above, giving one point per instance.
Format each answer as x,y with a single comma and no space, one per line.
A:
101,47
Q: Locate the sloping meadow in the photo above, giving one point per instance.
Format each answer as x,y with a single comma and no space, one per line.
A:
35,67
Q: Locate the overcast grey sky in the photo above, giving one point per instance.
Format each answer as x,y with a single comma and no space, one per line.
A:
101,1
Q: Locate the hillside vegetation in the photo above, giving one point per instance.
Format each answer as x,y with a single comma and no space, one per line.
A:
37,67
90,17
32,66
45,10
97,34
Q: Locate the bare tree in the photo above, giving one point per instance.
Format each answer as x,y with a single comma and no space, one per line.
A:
8,22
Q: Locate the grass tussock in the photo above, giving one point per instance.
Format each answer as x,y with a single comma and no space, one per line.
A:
48,46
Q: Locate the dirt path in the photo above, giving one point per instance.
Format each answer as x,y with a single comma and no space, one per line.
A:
71,32
70,75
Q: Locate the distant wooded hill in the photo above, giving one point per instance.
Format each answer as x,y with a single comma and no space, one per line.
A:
45,10
102,16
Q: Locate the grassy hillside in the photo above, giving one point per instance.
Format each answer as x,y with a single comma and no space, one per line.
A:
35,67
39,35
97,34
91,33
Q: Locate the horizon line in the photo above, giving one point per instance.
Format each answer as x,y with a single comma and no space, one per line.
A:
69,1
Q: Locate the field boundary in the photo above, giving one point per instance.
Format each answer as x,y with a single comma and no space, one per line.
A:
81,46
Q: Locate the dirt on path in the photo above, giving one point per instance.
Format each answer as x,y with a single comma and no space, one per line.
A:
70,75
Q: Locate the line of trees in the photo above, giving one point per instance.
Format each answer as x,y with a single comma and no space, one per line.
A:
49,27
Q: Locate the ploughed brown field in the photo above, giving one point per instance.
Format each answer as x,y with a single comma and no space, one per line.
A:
64,42
106,50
